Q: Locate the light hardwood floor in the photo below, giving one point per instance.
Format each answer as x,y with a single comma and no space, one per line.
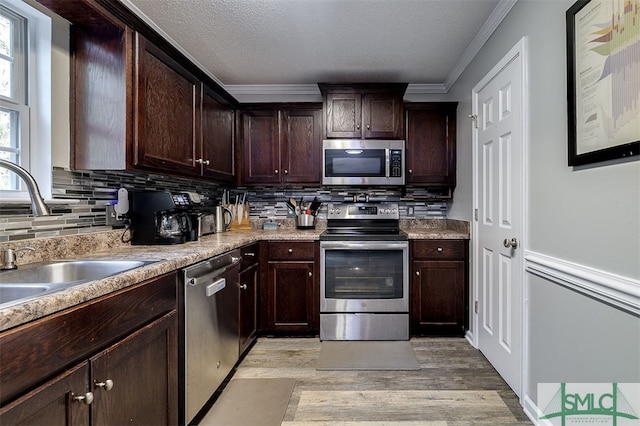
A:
456,385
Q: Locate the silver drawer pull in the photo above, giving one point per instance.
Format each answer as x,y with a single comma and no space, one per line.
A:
440,249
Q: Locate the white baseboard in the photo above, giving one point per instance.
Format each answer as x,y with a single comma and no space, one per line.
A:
612,289
530,409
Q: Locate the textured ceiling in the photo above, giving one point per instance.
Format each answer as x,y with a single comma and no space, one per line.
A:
302,42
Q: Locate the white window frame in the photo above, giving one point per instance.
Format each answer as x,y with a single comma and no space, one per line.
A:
35,128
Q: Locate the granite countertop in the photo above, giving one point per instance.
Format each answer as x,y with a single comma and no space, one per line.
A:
169,259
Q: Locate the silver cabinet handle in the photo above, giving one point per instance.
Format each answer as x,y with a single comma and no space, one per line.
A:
510,243
107,385
86,399
243,286
440,249
358,126
286,172
201,161
310,273
418,273
410,171
276,171
249,254
290,250
368,127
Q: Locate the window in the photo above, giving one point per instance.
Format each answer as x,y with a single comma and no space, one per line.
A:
14,114
25,98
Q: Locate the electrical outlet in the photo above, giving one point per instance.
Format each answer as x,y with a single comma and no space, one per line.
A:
410,211
112,218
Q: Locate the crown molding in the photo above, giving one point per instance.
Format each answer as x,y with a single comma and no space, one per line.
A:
311,93
136,11
492,23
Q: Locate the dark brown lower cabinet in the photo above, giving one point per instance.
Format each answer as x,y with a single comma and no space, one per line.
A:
439,288
110,361
132,382
292,291
52,403
249,295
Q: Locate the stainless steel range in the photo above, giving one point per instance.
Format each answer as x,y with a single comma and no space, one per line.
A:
364,274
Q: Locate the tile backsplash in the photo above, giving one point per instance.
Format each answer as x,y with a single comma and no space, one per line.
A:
82,196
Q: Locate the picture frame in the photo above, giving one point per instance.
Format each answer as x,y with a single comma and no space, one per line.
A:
603,82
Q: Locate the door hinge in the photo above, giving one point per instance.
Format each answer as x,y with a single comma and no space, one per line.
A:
475,214
475,306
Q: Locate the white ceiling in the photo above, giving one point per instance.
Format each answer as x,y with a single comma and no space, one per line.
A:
257,45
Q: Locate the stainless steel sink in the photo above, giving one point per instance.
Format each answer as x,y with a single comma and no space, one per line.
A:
11,292
36,279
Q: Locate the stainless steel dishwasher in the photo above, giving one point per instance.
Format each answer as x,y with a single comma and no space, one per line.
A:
210,314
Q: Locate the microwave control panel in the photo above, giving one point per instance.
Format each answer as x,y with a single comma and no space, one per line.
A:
395,163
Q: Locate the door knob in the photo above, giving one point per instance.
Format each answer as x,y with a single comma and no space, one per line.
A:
510,243
86,399
107,385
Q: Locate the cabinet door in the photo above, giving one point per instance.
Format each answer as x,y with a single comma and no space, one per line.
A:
248,305
301,143
437,298
431,144
217,139
261,147
52,403
291,298
144,370
165,107
382,116
344,115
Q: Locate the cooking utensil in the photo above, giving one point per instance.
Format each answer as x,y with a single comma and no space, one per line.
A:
315,206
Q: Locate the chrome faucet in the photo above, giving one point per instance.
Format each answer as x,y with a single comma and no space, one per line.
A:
38,207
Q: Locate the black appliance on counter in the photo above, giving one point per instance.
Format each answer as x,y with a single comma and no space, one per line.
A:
160,217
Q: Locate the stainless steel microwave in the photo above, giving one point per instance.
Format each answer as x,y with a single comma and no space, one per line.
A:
363,162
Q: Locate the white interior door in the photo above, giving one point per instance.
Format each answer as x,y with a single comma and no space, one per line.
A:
499,228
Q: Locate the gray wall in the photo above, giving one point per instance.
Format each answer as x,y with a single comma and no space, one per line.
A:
588,216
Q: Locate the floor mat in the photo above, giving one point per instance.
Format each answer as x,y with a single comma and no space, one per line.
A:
256,402
367,355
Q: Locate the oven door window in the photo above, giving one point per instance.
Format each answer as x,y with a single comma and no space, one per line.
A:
363,274
355,163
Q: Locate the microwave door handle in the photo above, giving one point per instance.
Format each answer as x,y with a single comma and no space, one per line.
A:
387,162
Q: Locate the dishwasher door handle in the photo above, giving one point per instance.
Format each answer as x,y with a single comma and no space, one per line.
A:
206,278
218,285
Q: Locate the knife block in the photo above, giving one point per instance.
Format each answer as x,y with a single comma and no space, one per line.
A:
242,224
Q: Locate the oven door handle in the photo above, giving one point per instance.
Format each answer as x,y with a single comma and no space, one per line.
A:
360,245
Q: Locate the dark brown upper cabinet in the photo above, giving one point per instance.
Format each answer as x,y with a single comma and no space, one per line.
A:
431,144
166,107
281,144
363,111
137,103
218,138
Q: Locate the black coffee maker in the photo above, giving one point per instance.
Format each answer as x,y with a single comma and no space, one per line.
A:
160,217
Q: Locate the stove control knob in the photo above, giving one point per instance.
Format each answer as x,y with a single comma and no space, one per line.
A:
338,211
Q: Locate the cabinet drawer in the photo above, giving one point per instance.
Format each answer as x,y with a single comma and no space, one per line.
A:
439,249
290,250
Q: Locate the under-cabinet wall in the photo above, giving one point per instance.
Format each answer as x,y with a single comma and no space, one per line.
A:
91,191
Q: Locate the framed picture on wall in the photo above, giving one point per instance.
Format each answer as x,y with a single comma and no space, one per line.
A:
603,80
